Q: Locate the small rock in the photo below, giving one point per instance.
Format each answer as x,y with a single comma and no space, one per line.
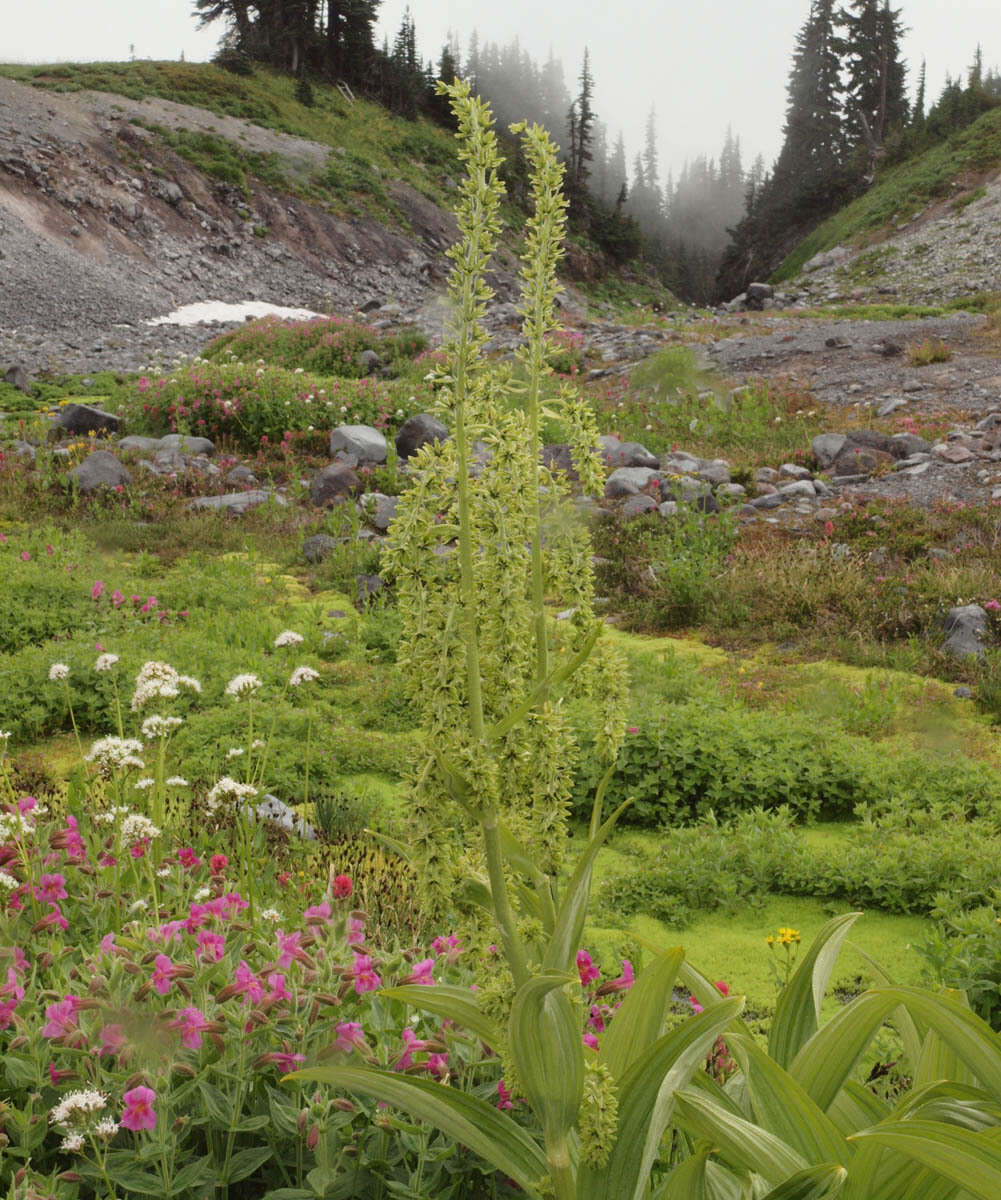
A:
333,483
237,503
318,547
635,506
952,453
369,362
417,431
794,471
627,481
188,444
83,419
98,470
17,377
241,474
365,443
963,693
765,502
826,447
966,626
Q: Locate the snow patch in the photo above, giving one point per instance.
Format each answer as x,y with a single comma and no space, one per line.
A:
210,312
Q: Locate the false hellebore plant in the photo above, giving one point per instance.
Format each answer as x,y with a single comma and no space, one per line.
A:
480,544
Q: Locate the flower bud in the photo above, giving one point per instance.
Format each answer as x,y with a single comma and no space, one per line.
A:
313,1137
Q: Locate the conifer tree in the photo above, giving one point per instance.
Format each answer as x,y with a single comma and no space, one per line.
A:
876,96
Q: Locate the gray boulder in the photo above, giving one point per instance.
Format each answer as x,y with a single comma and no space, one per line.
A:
826,447
380,509
169,461
188,444
145,445
83,419
966,627
363,442
635,506
24,450
318,547
417,431
626,454
558,457
369,361
627,481
238,503
241,474
277,812
334,483
17,377
100,469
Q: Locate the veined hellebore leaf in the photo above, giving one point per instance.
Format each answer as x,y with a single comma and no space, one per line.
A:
545,1043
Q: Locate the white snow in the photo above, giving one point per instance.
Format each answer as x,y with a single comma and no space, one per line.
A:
208,312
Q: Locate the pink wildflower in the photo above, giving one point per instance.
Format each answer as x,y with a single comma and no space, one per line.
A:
107,944
505,1099
192,1024
51,888
356,931
211,945
56,1077
289,949
590,1040
75,849
61,1017
247,983
317,913
365,977
97,591
117,599
112,1040
350,1036
993,606
437,1065
139,1112
53,917
450,946
342,887
163,974
279,992
20,959
586,969
696,1006
623,983
188,858
421,973
412,1045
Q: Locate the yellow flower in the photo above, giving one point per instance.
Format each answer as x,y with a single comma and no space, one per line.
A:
771,941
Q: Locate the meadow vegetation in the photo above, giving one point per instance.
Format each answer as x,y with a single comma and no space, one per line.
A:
184,982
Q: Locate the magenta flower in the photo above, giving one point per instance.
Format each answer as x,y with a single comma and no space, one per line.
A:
51,888
450,946
163,973
356,931
421,973
54,917
107,944
590,1040
624,982
586,968
437,1065
288,949
192,1024
61,1017
317,913
993,606
365,977
276,982
247,984
286,1062
20,959
117,599
112,1040
412,1045
350,1036
188,858
167,933
139,1112
7,1010
505,1099
212,945
97,591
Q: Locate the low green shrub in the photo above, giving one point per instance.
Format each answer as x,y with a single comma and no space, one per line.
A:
964,951
249,407
320,345
700,757
891,863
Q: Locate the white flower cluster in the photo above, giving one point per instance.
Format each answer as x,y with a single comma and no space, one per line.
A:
157,726
159,680
302,675
110,816
79,1104
115,754
58,671
234,752
137,828
289,638
227,787
271,914
14,825
7,881
141,785
105,662
242,685
177,781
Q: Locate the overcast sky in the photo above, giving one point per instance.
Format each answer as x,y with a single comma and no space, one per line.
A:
702,64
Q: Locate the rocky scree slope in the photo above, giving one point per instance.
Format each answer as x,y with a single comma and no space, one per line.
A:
103,227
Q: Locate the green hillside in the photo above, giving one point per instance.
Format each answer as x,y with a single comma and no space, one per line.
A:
368,143
952,168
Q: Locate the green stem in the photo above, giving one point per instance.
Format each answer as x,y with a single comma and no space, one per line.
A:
309,737
76,732
561,1170
513,949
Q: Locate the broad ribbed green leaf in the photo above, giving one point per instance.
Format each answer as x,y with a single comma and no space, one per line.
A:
972,1161
687,1181
952,1104
910,1035
562,952
545,1042
856,1107
824,1064
642,1016
456,1003
797,1013
815,1183
469,1121
782,1107
938,1060
646,1095
740,1143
